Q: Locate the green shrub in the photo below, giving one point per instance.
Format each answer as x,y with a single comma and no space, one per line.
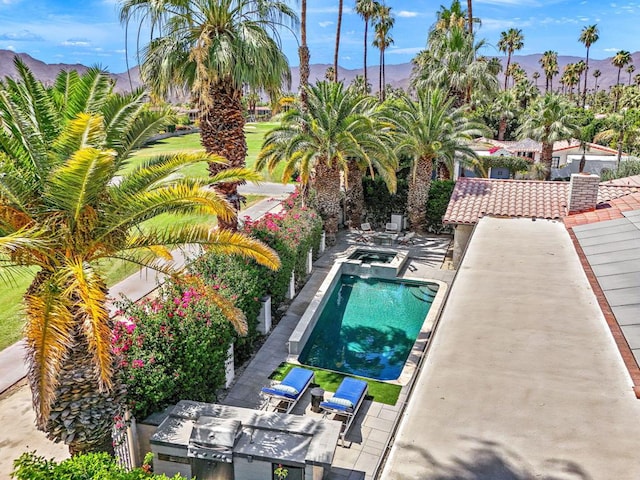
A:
172,347
439,196
380,204
90,466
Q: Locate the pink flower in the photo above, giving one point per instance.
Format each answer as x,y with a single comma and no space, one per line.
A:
137,363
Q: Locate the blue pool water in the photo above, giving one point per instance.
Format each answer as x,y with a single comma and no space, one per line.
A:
368,326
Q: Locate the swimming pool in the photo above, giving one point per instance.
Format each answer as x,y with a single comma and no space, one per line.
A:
368,326
367,256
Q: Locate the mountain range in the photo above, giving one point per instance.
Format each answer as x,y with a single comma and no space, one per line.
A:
397,75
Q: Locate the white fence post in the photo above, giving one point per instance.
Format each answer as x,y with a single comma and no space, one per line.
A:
323,242
310,261
292,286
264,318
228,368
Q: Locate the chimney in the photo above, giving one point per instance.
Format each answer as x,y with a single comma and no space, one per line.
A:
583,193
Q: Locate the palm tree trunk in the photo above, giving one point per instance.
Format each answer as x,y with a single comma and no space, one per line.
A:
470,16
506,70
335,56
354,200
327,186
384,78
502,127
380,92
222,133
418,194
366,28
586,73
546,158
303,54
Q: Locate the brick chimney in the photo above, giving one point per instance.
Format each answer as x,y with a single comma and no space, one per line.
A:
583,193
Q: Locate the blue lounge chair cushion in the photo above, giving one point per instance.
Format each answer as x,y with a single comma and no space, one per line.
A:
295,382
348,394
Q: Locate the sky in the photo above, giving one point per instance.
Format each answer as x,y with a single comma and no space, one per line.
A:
89,32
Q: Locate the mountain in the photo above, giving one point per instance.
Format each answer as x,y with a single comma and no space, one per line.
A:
396,75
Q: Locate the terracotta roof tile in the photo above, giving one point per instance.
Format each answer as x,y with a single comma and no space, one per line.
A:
473,198
607,211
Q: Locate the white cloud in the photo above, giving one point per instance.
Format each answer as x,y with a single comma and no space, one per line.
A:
405,51
23,36
612,50
10,47
407,14
325,24
76,43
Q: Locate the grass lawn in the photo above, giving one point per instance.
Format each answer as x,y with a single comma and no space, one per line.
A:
380,392
191,143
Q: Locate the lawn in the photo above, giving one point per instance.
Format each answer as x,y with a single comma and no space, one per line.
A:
254,133
11,292
380,392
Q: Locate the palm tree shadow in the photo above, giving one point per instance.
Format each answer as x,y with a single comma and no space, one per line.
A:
486,460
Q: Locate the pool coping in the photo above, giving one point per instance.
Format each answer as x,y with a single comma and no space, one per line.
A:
302,332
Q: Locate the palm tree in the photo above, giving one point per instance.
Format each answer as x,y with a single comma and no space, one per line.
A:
505,106
425,130
335,55
580,68
303,54
65,204
549,120
549,63
596,74
452,63
382,40
536,76
215,48
470,16
338,128
588,36
447,18
622,128
630,69
619,61
510,41
367,9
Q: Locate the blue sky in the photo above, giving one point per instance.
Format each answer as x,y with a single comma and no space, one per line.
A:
89,32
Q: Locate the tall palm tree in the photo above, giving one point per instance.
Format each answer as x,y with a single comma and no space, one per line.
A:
335,55
215,48
549,120
549,63
588,36
596,74
338,128
66,203
622,129
367,9
620,60
510,41
384,22
303,54
506,106
580,68
536,76
425,130
630,69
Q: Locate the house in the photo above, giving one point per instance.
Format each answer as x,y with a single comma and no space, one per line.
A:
474,198
567,155
532,371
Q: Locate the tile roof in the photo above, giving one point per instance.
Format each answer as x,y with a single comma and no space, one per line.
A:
473,198
633,181
611,210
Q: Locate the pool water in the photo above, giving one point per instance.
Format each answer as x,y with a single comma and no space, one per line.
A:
368,326
366,256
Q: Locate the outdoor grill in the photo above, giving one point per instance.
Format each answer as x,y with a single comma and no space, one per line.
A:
212,439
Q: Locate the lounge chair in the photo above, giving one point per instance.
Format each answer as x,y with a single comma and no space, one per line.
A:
346,402
391,228
364,233
407,238
284,396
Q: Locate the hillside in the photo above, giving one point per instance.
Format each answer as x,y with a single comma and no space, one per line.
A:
397,75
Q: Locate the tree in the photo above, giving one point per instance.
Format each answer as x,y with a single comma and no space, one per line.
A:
549,63
505,106
619,60
335,55
588,36
596,74
622,128
319,144
303,54
367,9
630,69
470,16
214,48
549,120
384,22
536,76
425,130
580,68
66,203
510,41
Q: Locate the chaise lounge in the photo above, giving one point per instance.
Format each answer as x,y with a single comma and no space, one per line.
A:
283,396
346,402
